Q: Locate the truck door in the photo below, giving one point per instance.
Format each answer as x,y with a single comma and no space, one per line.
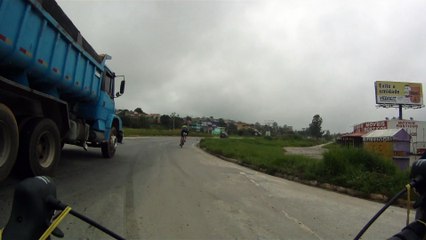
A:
108,84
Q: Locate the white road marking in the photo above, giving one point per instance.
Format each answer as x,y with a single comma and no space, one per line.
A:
254,182
302,226
251,180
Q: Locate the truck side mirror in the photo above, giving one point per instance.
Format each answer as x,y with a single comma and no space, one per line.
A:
122,86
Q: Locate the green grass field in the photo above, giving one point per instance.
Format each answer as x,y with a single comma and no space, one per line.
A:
352,168
266,153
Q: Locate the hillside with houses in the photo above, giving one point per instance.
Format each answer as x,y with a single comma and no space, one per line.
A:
139,119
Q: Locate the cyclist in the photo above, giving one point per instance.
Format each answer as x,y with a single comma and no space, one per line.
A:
183,133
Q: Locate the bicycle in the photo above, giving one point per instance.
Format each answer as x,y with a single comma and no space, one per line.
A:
36,212
415,230
183,139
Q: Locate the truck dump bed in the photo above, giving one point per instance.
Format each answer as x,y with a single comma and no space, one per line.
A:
41,48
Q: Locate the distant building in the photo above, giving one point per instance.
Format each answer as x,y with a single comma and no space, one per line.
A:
195,126
390,143
416,129
242,125
218,130
351,139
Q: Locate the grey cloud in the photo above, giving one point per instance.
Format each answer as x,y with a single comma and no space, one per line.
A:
259,60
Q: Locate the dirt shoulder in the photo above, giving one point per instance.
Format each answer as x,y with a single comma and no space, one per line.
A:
313,152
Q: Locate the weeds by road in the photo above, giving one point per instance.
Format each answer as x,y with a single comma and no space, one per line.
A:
357,169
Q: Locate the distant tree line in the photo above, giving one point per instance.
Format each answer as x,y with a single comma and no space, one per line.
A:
139,119
314,130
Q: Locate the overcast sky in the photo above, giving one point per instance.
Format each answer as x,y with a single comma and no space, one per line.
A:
257,61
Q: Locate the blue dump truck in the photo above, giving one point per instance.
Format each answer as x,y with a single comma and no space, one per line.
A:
54,89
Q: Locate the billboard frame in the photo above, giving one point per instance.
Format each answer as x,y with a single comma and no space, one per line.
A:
390,94
401,92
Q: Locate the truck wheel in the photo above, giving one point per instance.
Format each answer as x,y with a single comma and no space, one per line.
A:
40,146
9,141
108,148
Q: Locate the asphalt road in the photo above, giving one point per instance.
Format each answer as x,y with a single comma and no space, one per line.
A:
153,189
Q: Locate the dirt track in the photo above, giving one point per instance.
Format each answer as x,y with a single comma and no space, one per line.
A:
313,152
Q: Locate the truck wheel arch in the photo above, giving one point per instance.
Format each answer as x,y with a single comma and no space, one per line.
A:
116,122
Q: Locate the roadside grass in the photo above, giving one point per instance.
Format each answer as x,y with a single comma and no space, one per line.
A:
266,153
361,170
352,168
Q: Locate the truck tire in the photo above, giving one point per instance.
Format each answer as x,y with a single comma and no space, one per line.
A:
9,141
108,148
40,148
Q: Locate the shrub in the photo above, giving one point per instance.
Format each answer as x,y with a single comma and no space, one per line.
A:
361,170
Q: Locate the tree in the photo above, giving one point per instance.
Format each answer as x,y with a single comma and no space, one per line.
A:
327,135
139,110
315,127
144,122
188,120
222,122
258,126
275,125
287,129
274,128
232,128
165,121
173,116
179,121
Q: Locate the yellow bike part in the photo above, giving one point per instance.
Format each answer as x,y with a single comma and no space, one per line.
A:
55,223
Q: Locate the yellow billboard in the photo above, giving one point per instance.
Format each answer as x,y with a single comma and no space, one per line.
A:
398,93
